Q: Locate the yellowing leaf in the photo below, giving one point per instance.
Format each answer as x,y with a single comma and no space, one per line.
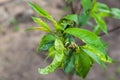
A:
44,14
58,59
41,23
41,11
37,28
56,63
101,55
59,45
94,57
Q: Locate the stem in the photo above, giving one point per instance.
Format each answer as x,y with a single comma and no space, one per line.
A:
70,76
112,30
75,9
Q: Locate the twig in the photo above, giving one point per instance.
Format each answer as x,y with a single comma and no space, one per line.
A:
111,30
79,9
72,7
75,9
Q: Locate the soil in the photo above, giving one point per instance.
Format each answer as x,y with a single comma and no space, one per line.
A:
19,59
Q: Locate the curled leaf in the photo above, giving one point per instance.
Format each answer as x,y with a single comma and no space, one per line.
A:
56,63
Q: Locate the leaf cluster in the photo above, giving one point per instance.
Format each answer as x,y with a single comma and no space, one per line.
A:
61,41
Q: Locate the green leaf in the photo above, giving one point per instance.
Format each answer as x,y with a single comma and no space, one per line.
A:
87,37
93,55
103,7
41,23
56,63
69,63
115,13
97,29
87,4
83,19
83,63
41,11
72,17
103,10
46,42
100,23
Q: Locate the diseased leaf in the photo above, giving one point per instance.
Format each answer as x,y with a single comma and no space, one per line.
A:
41,23
58,59
56,63
94,56
59,45
46,42
87,37
101,55
82,63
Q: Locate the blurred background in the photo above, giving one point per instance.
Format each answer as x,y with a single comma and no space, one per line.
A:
19,59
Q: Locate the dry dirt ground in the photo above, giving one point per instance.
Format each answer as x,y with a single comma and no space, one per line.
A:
18,57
